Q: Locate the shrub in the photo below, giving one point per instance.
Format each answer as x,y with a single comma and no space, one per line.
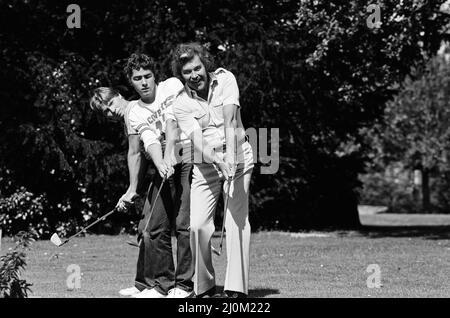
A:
394,188
11,266
23,211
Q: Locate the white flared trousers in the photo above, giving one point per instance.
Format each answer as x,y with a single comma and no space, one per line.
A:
207,185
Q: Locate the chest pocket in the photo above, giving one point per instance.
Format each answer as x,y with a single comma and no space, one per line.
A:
217,113
202,118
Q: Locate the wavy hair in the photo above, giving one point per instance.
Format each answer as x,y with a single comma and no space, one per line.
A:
137,61
185,52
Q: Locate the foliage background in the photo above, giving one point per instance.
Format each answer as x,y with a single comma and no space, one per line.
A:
314,69
413,136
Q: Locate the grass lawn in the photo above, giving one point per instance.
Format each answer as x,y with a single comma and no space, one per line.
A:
412,252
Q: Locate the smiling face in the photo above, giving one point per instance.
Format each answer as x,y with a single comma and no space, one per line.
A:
143,82
195,75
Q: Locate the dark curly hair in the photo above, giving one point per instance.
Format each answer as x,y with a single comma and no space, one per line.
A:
183,53
137,61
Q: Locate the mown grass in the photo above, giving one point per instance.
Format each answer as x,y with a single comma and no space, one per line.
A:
412,252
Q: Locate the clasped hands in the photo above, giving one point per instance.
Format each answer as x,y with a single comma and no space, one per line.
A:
165,168
227,166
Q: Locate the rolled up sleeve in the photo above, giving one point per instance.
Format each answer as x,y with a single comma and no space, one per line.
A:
174,86
230,90
169,113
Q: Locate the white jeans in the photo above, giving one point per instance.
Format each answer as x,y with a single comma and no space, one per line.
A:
207,184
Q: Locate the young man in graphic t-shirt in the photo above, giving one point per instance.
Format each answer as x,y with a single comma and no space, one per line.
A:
153,118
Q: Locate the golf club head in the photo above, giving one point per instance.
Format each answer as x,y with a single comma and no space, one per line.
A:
56,240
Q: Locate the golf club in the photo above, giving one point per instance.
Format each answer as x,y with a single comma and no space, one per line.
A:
150,215
230,178
148,192
215,251
57,241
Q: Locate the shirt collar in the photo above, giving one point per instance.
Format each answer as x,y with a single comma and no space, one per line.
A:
213,77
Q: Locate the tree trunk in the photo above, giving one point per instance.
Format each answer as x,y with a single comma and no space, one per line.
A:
425,191
417,189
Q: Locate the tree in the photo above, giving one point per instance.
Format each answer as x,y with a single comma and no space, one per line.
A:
314,70
415,127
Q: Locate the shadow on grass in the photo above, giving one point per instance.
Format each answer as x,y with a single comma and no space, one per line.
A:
257,292
431,232
262,292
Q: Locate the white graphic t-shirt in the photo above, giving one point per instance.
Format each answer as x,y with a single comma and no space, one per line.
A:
149,120
130,131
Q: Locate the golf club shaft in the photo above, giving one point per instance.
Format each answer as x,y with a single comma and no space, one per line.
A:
230,179
90,225
152,208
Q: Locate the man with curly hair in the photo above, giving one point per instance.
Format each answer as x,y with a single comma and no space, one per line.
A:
208,112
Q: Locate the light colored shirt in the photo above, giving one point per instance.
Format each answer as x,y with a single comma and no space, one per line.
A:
193,112
149,120
128,129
